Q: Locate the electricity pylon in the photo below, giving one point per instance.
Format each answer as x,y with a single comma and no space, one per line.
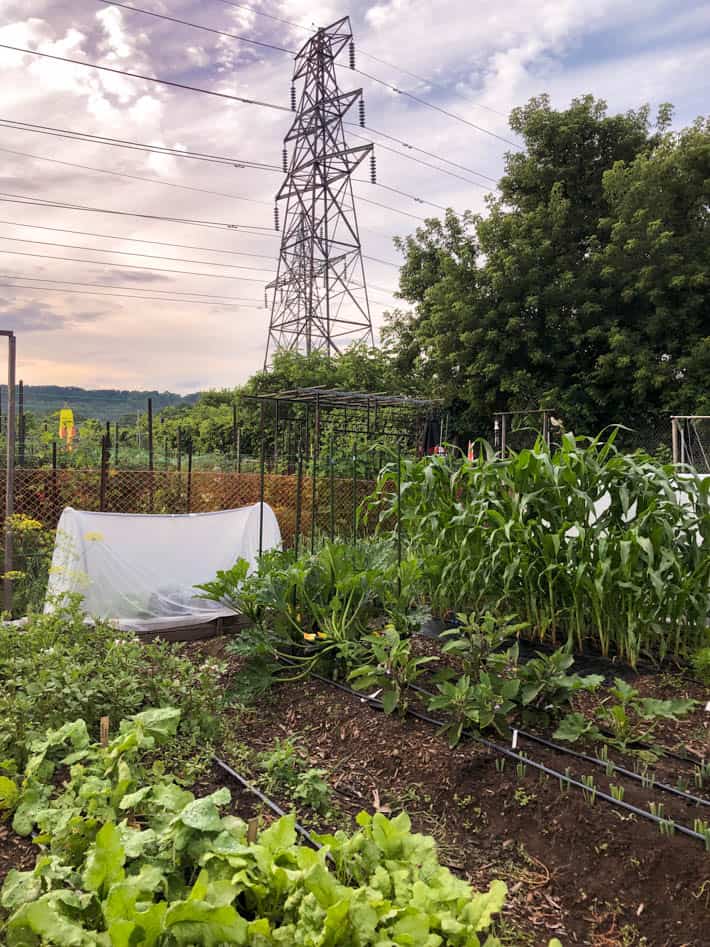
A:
320,300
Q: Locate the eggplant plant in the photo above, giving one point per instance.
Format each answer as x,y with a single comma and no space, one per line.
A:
623,719
391,667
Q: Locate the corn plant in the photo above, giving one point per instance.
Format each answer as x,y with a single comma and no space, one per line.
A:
584,543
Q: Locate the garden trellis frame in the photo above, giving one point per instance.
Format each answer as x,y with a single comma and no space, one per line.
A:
503,422
687,443
300,429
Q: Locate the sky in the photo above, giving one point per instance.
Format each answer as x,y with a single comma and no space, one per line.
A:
96,316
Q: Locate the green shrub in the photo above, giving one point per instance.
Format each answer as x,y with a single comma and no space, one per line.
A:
58,667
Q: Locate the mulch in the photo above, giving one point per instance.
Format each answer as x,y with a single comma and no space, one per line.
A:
586,873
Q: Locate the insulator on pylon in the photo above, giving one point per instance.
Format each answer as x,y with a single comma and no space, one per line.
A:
352,54
293,97
284,160
362,113
373,169
276,218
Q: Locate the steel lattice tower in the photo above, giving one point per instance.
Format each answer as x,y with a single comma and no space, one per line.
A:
320,297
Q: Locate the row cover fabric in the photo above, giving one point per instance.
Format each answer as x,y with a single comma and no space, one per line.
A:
140,571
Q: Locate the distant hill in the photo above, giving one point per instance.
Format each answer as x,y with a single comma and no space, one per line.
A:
104,404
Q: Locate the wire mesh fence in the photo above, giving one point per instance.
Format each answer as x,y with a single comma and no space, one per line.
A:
306,507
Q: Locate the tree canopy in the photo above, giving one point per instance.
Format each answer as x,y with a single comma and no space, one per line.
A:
584,288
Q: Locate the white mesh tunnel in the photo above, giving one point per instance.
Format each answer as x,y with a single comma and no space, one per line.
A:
140,570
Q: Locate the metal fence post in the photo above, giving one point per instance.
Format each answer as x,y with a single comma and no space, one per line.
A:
151,456
331,460
399,517
103,482
299,489
189,476
314,487
262,466
21,424
676,440
10,468
354,491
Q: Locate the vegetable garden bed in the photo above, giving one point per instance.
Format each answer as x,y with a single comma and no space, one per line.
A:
578,870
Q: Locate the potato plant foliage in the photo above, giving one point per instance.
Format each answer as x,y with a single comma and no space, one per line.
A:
128,861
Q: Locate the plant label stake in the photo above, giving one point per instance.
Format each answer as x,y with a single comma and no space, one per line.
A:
103,731
252,828
514,744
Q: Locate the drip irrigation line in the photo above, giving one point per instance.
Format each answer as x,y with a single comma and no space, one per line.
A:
138,75
650,782
519,758
277,810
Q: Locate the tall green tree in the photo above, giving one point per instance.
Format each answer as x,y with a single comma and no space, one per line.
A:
570,292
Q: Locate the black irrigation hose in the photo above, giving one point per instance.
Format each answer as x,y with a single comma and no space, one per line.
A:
673,790
277,810
511,754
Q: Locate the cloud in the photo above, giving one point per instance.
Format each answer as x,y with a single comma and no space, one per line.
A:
480,65
31,317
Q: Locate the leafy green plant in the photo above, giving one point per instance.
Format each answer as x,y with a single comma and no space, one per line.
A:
127,861
287,772
546,686
33,546
57,667
700,663
473,640
629,719
480,704
391,667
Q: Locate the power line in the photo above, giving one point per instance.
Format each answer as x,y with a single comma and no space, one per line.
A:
423,151
160,299
131,266
39,202
429,82
150,256
396,190
135,146
436,108
426,164
136,177
187,187
231,162
137,75
198,26
153,289
361,52
268,16
160,243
